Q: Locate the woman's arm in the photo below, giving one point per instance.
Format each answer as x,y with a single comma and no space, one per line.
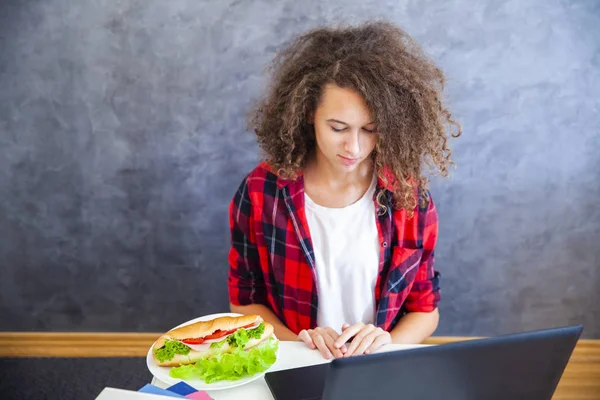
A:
415,327
281,331
247,290
421,304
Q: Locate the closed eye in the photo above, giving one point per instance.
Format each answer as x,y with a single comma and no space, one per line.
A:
343,129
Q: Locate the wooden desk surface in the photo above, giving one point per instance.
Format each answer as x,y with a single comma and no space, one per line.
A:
581,379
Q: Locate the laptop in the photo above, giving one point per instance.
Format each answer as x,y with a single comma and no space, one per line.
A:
515,366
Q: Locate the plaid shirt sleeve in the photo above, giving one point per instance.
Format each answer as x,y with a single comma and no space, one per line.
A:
245,280
425,292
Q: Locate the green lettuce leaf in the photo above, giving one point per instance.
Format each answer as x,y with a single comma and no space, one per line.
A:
231,366
218,345
257,332
241,336
168,351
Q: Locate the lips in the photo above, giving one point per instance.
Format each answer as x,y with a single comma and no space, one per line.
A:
348,161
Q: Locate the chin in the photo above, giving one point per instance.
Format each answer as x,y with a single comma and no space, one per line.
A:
348,168
340,166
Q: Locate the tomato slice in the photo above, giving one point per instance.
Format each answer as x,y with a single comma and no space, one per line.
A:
193,341
215,335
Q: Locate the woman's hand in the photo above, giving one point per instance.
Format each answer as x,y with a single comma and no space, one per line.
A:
367,339
323,339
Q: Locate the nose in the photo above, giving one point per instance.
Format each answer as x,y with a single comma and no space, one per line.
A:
352,145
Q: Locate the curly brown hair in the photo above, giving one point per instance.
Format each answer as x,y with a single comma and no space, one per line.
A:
400,85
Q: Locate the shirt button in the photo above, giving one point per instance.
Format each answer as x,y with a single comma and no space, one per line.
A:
384,244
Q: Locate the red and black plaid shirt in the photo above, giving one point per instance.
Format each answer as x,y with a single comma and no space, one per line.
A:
271,260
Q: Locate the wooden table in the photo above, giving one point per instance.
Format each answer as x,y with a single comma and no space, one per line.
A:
580,381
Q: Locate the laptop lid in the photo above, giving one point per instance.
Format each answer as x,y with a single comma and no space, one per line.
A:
517,366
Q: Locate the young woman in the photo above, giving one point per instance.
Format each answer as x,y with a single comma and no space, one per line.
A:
333,235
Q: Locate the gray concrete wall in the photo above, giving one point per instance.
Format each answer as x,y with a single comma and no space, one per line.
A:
122,140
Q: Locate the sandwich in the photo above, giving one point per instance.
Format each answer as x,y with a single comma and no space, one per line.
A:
221,348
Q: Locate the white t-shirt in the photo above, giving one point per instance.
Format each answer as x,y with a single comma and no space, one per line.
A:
346,249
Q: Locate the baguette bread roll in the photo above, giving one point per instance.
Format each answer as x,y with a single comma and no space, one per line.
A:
193,355
204,328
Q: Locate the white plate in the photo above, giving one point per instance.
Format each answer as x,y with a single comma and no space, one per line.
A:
162,373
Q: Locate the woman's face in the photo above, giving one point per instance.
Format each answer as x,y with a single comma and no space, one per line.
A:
344,130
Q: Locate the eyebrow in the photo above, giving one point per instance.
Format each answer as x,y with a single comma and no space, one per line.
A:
343,123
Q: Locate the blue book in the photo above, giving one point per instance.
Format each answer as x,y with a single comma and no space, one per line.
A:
182,388
151,389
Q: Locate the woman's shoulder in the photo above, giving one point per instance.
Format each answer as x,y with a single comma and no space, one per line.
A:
413,227
417,218
260,178
264,178
260,188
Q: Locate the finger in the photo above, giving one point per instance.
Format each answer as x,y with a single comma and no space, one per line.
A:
331,332
321,345
345,326
358,338
334,335
305,337
329,341
348,333
377,343
367,342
